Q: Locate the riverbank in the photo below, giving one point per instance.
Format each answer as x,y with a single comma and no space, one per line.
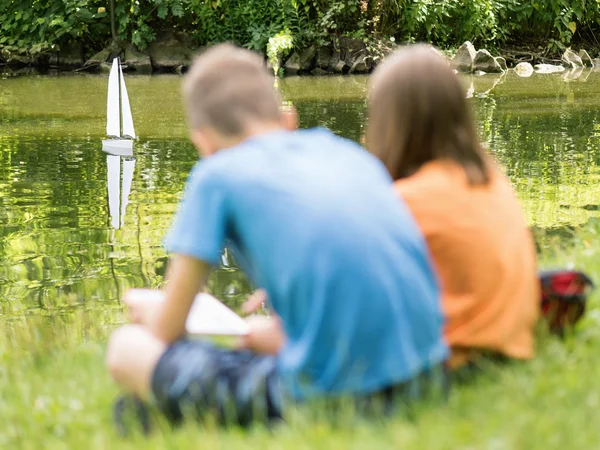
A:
69,33
56,393
174,52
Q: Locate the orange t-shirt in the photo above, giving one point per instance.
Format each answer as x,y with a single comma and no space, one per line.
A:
484,255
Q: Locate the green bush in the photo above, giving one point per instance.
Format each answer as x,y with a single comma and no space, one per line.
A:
37,26
34,26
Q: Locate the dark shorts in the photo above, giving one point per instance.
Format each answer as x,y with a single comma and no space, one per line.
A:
195,379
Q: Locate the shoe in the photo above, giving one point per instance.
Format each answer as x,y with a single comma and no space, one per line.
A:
129,411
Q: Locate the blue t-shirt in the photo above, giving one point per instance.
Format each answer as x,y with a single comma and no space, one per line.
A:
316,223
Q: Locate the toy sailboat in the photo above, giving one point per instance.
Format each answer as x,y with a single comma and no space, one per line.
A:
119,122
117,204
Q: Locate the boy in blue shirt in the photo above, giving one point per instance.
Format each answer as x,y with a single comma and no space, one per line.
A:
316,224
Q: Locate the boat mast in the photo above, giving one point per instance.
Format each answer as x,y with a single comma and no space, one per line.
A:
120,100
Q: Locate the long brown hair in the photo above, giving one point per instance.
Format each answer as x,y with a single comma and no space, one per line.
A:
418,113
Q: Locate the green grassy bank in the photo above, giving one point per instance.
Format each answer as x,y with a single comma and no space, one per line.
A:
55,393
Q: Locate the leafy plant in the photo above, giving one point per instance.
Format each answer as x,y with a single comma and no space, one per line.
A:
34,27
278,47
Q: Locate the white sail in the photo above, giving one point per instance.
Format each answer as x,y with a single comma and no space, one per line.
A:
113,126
126,109
113,165
128,168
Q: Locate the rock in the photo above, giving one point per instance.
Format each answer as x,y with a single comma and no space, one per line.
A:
479,73
292,65
137,60
337,64
335,58
323,60
99,58
188,41
350,48
318,71
351,45
571,59
596,62
168,53
71,57
105,67
381,48
340,67
524,69
464,58
68,57
308,57
360,65
486,62
548,68
502,62
585,58
20,60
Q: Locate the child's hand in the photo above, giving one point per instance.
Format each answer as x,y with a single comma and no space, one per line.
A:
254,301
266,335
141,304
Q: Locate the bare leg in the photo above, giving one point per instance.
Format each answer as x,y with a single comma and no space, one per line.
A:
131,357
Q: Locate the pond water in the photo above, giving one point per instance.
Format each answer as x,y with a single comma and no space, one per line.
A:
61,250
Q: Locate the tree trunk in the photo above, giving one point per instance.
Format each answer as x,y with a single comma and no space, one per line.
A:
113,25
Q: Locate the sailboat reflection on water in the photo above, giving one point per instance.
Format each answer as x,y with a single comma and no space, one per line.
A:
119,145
118,195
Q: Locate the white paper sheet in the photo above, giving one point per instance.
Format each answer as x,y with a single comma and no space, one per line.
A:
208,315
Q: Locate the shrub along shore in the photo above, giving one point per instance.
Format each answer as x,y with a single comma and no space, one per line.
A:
345,56
296,36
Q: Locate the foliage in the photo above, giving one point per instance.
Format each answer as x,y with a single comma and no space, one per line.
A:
37,26
278,47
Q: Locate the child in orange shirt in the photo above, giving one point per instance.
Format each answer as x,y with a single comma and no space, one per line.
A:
421,127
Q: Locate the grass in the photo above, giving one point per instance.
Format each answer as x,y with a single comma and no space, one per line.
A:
55,393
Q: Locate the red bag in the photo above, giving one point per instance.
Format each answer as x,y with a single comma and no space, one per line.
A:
564,297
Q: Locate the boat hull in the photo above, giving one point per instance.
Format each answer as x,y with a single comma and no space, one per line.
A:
119,147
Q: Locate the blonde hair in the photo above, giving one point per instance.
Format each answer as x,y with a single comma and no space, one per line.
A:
228,86
418,113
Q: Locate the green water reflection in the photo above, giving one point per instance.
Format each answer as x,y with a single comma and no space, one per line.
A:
59,249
